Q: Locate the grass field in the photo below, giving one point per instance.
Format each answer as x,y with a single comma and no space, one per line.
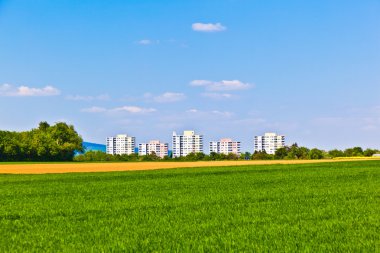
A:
301,207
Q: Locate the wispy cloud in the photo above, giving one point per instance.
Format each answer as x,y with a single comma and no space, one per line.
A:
208,27
224,114
128,109
94,109
167,97
215,95
133,109
147,42
88,98
192,110
9,90
224,85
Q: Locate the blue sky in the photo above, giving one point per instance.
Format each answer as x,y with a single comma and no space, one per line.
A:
226,68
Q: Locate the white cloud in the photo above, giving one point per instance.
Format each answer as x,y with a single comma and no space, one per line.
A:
147,42
215,95
87,98
133,109
192,111
224,114
94,109
208,114
169,97
25,91
129,109
209,27
224,85
144,42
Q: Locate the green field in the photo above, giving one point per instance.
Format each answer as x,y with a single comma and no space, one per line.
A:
313,207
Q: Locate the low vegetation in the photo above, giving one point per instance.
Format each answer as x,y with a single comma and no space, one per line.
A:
322,207
293,152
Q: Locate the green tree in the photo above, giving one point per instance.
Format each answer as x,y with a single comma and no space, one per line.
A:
43,126
46,143
245,156
232,156
370,152
353,152
281,153
315,154
214,156
336,153
296,152
150,157
261,155
190,157
199,156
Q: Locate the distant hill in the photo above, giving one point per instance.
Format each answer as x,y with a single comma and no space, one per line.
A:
89,146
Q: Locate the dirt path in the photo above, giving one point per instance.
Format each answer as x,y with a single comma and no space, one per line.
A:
47,168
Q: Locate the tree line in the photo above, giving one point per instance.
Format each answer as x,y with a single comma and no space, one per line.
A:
58,142
286,153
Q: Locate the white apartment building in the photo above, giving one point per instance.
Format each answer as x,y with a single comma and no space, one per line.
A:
155,146
225,146
121,144
269,143
187,143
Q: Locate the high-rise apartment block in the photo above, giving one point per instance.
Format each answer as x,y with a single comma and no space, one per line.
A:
269,143
156,147
225,146
121,144
187,143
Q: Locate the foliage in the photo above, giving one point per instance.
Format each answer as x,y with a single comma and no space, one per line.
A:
46,143
245,156
336,153
356,151
329,207
60,142
258,155
352,152
370,152
315,154
93,156
288,153
281,153
295,152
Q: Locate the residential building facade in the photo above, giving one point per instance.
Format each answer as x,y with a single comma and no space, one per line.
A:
122,144
225,146
269,142
187,143
154,146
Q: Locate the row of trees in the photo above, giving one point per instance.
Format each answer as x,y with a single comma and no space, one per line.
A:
101,156
296,152
60,142
45,143
285,153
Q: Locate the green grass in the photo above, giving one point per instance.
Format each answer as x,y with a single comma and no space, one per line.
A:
312,207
